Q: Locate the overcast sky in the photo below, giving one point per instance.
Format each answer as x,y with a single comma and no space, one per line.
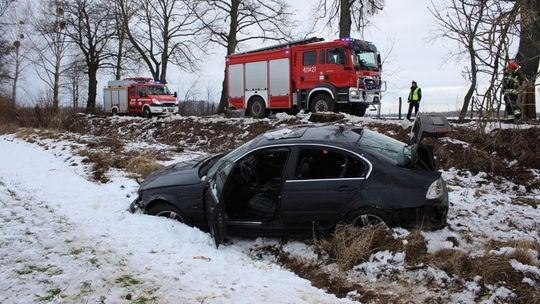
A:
401,32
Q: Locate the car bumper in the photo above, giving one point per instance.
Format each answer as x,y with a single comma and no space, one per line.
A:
163,109
136,206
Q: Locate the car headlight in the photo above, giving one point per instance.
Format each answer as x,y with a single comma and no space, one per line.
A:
155,101
354,93
435,190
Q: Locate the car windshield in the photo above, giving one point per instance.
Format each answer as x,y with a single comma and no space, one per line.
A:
158,90
231,156
364,59
392,150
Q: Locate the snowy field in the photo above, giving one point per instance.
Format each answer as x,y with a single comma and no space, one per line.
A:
68,239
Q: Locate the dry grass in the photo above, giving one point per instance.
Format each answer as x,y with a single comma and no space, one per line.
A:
416,247
143,165
350,245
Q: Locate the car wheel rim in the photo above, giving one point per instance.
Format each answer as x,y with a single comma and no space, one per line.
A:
321,106
171,214
369,220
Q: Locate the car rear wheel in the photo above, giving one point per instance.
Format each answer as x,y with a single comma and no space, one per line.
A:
369,218
114,112
165,210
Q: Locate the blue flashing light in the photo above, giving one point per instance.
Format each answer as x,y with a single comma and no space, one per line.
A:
157,81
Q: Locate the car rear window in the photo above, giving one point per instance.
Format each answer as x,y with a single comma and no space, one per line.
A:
389,149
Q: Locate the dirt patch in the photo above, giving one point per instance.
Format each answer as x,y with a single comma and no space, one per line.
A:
415,247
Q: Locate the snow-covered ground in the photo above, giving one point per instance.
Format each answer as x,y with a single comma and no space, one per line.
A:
66,238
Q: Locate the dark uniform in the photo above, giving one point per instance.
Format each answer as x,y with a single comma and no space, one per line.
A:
511,82
415,96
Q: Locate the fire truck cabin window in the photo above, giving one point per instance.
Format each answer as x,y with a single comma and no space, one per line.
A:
141,91
321,57
310,58
132,91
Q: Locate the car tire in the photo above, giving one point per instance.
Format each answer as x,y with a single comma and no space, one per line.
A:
257,108
146,113
165,210
321,103
368,218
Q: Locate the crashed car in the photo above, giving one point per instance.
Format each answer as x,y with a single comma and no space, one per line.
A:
297,180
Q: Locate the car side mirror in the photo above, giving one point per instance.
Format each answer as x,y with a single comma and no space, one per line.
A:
175,95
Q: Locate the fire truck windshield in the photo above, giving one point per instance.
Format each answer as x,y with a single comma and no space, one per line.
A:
158,90
364,59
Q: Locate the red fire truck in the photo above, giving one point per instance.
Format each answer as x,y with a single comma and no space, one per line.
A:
139,96
310,74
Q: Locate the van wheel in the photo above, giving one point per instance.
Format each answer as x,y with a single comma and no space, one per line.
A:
368,218
146,113
321,103
257,108
114,112
165,210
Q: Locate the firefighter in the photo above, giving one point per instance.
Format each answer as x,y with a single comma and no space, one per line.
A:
414,99
511,82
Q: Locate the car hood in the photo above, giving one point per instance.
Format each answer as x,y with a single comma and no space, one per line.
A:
180,174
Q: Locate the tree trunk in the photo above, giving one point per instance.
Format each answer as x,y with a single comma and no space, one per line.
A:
92,89
345,19
528,50
231,47
118,72
470,92
56,81
16,76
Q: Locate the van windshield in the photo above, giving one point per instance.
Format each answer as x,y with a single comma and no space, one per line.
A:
158,90
391,150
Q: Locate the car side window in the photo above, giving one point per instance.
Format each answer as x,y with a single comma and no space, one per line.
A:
309,58
141,91
133,91
324,163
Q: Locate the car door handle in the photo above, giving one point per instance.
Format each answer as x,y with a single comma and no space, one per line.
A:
345,188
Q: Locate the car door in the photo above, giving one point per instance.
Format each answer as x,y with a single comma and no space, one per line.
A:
214,205
324,181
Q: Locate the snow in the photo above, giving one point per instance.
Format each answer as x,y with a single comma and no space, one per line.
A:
75,242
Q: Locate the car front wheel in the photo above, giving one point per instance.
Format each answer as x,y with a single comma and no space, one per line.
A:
165,210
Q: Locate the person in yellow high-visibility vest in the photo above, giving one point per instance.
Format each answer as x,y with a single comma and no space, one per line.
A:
415,96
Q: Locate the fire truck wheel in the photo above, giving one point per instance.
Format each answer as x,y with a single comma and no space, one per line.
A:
321,103
114,112
146,113
257,109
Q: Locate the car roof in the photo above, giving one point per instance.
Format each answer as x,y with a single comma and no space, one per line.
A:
310,134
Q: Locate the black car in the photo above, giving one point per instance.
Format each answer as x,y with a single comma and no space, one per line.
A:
297,180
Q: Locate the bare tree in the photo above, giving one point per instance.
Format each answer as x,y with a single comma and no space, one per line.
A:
49,46
232,22
349,12
74,80
90,26
460,22
162,32
4,6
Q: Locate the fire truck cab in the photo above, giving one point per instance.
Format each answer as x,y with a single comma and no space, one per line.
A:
138,96
312,75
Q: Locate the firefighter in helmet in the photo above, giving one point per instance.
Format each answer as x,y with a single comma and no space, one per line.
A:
415,96
511,82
